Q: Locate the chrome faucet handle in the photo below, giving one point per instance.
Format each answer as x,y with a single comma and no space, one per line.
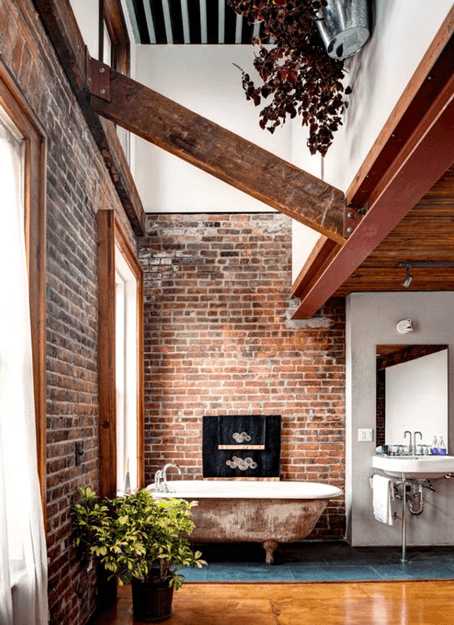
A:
158,477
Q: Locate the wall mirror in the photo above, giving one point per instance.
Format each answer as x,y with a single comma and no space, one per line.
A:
412,393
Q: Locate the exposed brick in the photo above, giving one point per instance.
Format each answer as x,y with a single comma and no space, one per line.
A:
217,341
9,38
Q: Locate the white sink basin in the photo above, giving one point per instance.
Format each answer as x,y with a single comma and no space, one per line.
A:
423,467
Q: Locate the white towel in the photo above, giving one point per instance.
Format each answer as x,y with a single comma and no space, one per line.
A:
382,487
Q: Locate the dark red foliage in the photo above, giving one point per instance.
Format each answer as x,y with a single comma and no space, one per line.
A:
297,72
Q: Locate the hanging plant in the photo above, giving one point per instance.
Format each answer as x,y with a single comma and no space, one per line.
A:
297,73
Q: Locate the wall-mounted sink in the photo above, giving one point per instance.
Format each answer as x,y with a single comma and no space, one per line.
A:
414,467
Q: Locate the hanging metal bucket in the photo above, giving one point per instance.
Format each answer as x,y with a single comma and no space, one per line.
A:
344,27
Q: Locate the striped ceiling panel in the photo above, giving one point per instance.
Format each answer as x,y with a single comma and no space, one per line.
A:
189,22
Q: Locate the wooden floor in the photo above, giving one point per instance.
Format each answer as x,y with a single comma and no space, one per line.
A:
339,603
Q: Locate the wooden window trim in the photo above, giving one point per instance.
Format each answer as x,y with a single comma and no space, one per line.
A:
111,233
118,33
64,33
15,104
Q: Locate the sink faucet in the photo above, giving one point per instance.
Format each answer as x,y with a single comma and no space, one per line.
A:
165,488
414,440
410,449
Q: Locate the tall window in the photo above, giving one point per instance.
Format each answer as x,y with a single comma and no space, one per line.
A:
116,54
23,560
120,359
126,359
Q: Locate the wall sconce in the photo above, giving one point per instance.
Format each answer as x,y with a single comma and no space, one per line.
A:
420,263
404,326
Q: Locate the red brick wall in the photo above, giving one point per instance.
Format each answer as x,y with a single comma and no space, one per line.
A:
219,340
77,186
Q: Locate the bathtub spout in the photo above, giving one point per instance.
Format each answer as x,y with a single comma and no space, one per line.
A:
165,487
270,547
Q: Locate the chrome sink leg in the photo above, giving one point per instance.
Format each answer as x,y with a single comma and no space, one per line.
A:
404,524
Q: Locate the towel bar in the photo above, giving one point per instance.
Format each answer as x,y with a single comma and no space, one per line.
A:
396,483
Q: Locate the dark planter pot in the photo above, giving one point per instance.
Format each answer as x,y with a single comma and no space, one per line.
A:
107,589
151,601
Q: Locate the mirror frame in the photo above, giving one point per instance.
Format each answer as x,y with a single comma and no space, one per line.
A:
387,356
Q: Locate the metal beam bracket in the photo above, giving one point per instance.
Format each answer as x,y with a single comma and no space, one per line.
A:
98,78
352,219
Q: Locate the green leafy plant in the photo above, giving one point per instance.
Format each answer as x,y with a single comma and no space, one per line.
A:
297,74
136,535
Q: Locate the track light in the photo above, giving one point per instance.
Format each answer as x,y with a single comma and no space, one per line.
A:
422,263
408,277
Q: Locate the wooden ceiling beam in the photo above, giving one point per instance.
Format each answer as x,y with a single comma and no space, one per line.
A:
419,150
219,152
379,279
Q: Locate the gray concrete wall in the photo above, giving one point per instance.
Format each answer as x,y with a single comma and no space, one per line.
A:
371,320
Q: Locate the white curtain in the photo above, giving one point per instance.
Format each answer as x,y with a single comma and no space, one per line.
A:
23,559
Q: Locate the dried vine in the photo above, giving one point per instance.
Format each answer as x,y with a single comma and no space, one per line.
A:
297,72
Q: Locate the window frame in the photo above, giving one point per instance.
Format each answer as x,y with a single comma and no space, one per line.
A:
111,234
17,108
119,38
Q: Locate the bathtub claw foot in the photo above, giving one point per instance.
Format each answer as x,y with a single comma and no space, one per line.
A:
270,546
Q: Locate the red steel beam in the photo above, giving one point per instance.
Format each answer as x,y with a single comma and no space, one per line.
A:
419,150
427,155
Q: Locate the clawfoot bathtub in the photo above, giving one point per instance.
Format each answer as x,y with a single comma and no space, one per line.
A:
253,511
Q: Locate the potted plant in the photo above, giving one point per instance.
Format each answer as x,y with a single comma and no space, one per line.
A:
141,540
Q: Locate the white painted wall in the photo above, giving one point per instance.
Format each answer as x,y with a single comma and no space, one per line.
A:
203,79
417,399
303,241
371,321
87,16
403,31
303,238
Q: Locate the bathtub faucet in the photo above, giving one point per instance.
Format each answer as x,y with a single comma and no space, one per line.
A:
158,481
164,488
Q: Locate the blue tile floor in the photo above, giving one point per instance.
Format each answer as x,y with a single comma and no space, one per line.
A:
321,561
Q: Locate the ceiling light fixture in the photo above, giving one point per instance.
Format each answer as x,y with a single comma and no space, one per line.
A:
408,277
421,263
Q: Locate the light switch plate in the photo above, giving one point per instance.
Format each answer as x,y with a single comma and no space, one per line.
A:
365,435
